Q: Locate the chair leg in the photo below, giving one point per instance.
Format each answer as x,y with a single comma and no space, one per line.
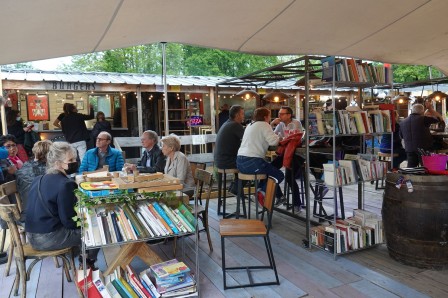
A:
223,263
10,255
2,246
205,223
271,257
16,281
72,264
22,278
28,272
56,263
66,264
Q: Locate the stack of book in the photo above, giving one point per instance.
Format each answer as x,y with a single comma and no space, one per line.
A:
171,278
363,230
142,221
125,283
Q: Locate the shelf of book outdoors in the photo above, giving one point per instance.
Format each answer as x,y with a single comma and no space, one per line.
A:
128,211
339,234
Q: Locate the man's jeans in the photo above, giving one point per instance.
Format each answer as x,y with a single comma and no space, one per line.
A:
256,165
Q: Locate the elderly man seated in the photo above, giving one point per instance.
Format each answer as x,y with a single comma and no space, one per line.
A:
152,159
102,155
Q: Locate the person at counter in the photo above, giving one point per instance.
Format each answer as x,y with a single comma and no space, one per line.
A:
386,145
102,155
416,134
75,130
153,159
228,141
101,125
430,111
57,122
257,137
15,127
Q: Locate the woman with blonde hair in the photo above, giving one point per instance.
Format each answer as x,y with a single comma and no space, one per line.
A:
32,169
177,164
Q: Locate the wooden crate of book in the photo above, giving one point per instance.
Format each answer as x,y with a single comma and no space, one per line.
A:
163,183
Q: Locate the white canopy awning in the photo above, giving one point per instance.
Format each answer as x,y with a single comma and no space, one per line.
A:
399,31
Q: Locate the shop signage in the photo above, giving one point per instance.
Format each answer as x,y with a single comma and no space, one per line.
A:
75,86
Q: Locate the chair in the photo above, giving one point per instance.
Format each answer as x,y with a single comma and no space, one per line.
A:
203,177
251,228
8,189
252,179
386,157
222,189
194,166
23,252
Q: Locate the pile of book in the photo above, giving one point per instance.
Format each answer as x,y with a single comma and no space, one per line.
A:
351,70
380,119
171,278
362,230
145,220
364,167
175,281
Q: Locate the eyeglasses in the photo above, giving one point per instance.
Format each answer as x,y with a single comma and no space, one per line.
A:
12,146
283,113
100,139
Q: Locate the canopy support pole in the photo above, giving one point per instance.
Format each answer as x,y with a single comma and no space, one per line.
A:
165,89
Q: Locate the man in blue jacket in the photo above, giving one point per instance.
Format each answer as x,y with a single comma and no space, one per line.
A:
102,155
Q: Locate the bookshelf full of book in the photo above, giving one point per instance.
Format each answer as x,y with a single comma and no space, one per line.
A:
129,220
356,229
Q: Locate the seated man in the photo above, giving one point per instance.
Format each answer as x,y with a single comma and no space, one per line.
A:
103,154
228,141
153,159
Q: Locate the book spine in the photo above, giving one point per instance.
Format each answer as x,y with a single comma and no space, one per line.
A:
134,278
127,225
114,221
121,226
152,221
161,221
135,222
187,214
165,217
113,236
106,229
145,224
174,219
185,222
149,283
88,231
99,284
100,227
121,289
128,288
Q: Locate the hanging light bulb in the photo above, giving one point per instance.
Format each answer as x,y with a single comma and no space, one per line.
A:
248,94
276,96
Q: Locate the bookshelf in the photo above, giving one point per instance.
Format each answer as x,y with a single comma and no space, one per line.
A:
140,217
361,229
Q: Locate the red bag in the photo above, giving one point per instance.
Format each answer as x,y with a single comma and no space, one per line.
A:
287,148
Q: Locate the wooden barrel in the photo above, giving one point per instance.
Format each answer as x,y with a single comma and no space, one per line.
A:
416,223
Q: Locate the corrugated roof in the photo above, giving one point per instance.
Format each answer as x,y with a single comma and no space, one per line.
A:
107,78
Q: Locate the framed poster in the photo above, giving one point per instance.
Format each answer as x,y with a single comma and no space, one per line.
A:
80,105
38,107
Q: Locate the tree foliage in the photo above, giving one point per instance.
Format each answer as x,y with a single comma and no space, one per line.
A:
181,60
409,73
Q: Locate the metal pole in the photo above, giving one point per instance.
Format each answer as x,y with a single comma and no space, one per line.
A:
2,106
307,152
165,89
139,111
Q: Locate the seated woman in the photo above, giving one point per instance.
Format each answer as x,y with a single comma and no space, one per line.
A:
12,163
257,137
50,208
30,170
177,164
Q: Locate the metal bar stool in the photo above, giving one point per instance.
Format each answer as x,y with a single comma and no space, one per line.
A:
240,198
222,190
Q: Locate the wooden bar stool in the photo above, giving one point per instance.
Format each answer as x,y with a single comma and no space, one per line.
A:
386,157
240,198
222,190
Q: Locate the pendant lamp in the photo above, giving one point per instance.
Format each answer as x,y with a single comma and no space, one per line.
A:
248,94
437,95
276,96
401,99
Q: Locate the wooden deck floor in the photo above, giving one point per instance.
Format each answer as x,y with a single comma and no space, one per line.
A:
303,272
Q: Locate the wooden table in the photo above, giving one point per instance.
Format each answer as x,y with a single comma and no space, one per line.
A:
207,158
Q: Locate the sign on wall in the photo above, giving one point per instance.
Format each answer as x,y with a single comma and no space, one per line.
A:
38,107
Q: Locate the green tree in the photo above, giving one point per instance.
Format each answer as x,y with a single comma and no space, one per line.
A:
408,73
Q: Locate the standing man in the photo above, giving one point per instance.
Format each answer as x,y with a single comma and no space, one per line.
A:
75,130
415,133
153,159
228,141
102,155
224,115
